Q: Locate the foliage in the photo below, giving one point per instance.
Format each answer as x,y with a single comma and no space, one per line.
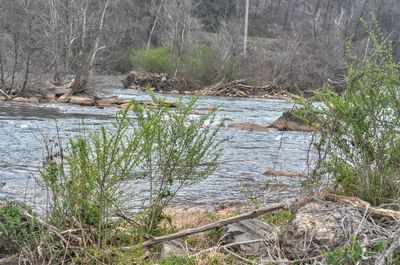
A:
85,182
177,151
178,260
111,255
359,129
202,64
87,179
156,60
281,218
349,254
16,230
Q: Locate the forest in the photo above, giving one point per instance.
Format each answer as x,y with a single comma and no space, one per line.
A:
293,44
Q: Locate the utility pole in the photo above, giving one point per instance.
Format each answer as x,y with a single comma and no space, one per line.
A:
246,27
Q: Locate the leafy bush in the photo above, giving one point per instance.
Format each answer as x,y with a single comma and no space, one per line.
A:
201,64
349,254
87,179
85,183
156,60
16,230
360,129
177,151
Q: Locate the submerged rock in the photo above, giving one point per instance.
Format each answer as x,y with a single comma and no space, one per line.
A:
289,122
249,127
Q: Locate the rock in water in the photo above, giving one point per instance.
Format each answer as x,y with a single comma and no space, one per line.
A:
289,122
249,127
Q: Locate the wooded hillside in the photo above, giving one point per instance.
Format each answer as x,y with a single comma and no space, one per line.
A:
292,43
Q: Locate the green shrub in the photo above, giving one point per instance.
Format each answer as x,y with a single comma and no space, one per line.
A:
87,179
177,151
124,64
174,260
281,218
201,64
156,60
16,230
349,254
359,138
85,182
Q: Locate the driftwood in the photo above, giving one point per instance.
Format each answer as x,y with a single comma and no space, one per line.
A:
236,88
145,80
5,94
362,205
218,224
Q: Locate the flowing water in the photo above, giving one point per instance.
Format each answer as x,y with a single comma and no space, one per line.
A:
246,155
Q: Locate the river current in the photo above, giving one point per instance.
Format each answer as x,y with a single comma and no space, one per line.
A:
246,155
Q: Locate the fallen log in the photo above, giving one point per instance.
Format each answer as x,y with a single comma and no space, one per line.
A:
5,94
249,215
362,205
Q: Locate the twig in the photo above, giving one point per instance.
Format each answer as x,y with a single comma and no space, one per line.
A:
55,230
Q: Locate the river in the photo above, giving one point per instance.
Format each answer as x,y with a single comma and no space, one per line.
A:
246,155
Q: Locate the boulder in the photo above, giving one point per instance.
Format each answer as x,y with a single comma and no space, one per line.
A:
3,98
173,248
252,230
82,100
319,225
249,127
107,101
289,122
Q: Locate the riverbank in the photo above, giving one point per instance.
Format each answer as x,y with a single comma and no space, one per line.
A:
321,228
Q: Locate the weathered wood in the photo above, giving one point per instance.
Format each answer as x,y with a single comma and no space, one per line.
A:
363,205
5,94
218,224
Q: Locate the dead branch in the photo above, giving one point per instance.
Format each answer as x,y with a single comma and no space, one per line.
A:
55,230
363,205
5,94
249,215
